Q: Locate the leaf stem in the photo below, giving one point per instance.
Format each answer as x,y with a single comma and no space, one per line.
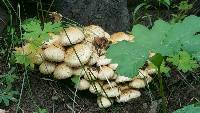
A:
161,90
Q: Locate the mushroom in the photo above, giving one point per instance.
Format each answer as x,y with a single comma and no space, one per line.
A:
93,59
128,94
53,53
110,90
90,74
122,79
144,75
2,111
150,70
104,102
105,73
78,53
78,71
103,61
83,85
106,35
62,71
39,57
71,35
47,67
113,66
95,87
137,83
120,36
54,40
93,31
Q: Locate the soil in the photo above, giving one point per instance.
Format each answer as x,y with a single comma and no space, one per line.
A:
57,96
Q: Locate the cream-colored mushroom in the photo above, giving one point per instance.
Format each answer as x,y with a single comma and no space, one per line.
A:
62,71
120,36
54,40
53,53
95,87
105,73
113,66
110,90
106,35
121,79
94,31
137,83
39,57
103,61
47,67
91,74
93,59
78,71
71,35
104,102
128,94
144,75
80,53
83,85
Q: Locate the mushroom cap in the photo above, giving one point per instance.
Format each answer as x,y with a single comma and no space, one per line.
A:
103,61
144,75
2,111
93,31
95,87
137,83
122,79
111,92
127,95
54,40
62,71
73,33
113,66
123,87
93,59
53,53
103,102
114,76
105,73
82,52
91,74
150,70
78,71
83,85
106,35
120,36
47,67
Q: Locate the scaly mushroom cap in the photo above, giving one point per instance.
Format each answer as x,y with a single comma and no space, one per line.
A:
113,66
128,94
105,73
71,35
144,75
150,70
120,36
91,74
103,102
47,67
93,31
95,87
103,61
62,71
137,83
53,53
83,85
123,86
110,90
54,40
106,35
93,59
121,79
82,52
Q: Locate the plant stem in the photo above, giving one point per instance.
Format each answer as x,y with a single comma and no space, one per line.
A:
161,90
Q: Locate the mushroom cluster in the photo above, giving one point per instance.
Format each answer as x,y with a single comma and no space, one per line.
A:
81,52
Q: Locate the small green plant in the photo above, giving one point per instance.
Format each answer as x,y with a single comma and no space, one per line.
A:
7,94
35,35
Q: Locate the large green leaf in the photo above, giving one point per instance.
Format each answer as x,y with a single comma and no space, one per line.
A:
164,38
194,108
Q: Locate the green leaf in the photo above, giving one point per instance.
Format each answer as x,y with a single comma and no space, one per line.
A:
164,38
76,80
23,59
183,61
189,109
157,60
